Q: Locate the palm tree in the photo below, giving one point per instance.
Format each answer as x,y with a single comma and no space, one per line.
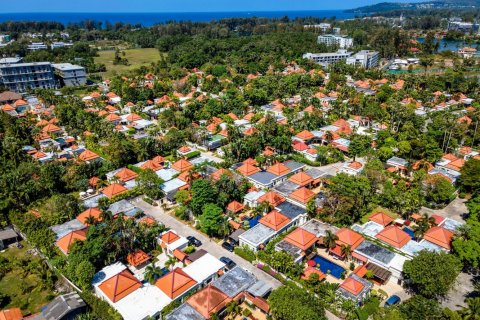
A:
170,262
91,220
329,241
346,251
472,310
233,309
152,273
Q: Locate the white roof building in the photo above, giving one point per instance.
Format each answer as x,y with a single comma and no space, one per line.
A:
204,268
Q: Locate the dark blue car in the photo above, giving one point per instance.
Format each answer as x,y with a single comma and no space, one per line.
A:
392,300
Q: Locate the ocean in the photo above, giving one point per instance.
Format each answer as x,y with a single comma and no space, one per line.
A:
149,19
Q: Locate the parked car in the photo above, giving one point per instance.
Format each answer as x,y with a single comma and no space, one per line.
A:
227,246
392,300
194,241
228,262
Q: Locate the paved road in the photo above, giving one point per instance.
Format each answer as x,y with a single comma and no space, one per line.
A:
455,210
211,246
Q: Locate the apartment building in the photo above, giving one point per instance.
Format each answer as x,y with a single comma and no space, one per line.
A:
20,77
332,40
70,75
365,58
325,59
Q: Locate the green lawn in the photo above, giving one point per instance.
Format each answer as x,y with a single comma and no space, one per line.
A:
25,289
135,57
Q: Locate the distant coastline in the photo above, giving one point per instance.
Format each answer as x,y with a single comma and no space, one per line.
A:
149,19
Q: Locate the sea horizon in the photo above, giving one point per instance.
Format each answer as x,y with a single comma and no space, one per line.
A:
147,19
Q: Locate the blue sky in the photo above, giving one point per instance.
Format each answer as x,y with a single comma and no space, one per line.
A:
180,5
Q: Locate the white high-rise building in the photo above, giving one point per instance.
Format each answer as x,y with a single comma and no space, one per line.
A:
331,40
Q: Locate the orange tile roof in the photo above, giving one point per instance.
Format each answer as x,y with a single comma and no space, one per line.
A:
91,212
112,117
361,270
235,206
113,190
39,155
182,165
394,236
158,159
301,178
355,165
439,236
133,117
11,314
302,195
147,220
180,255
20,102
93,181
301,239
248,169
88,155
169,237
305,135
312,270
119,286
349,237
184,149
152,165
250,161
174,283
250,131
217,174
233,116
65,242
271,197
126,174
456,164
137,258
208,300
275,220
51,128
353,286
279,169
381,218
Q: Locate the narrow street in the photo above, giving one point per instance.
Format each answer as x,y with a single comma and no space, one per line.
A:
212,247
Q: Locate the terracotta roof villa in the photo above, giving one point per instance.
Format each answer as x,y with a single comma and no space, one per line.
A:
11,314
279,169
235,206
88,155
119,286
169,237
65,242
91,212
137,258
182,165
439,236
248,169
114,190
209,300
152,165
301,178
355,288
347,237
272,198
302,239
175,283
126,174
275,220
394,236
302,195
381,218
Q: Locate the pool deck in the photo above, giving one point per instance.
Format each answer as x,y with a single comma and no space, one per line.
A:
345,265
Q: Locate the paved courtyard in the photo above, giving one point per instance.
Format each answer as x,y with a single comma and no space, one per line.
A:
455,210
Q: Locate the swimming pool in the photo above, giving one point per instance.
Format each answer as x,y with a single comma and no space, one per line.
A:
327,265
410,232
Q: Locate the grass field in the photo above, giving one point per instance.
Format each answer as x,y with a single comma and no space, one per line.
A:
135,57
23,284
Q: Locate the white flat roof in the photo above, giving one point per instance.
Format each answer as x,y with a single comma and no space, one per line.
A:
142,303
203,268
107,272
166,174
178,244
172,185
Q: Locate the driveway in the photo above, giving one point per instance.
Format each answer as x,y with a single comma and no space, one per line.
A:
456,210
212,247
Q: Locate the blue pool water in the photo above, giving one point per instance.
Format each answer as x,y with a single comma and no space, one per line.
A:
326,265
410,232
253,221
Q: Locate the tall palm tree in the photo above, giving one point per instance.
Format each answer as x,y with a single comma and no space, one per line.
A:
91,220
472,310
170,263
152,273
346,251
329,241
